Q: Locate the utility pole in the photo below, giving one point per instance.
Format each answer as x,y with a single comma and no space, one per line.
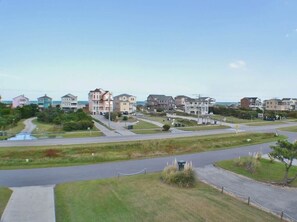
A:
198,99
109,109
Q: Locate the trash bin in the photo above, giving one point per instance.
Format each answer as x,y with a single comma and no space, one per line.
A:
130,127
181,164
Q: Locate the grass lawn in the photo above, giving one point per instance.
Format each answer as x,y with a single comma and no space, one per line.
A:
159,119
143,127
4,197
231,119
146,198
267,171
265,123
50,156
14,130
290,129
203,127
45,130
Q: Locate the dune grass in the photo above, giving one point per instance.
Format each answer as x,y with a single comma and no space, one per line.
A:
50,156
267,171
5,194
146,198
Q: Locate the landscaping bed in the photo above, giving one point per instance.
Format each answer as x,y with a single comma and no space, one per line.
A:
266,170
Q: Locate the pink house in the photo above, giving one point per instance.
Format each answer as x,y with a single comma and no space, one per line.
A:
20,101
100,101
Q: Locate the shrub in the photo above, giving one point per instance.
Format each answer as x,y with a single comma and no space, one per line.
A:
51,153
250,163
184,178
166,127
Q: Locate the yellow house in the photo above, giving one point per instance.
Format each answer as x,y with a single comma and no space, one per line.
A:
124,103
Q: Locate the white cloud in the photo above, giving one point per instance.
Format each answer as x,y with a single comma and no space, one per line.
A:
239,64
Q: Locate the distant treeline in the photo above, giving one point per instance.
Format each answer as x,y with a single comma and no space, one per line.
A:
10,117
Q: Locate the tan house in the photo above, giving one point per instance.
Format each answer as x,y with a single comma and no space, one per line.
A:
275,105
100,101
124,103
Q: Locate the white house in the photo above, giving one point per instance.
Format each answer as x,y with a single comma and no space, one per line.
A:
199,106
69,102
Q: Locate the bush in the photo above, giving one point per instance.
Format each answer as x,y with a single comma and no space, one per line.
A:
184,178
250,163
166,127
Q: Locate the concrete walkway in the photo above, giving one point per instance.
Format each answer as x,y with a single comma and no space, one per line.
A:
117,126
272,198
104,130
29,126
30,204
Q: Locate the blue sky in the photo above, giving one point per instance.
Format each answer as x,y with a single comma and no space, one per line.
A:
226,49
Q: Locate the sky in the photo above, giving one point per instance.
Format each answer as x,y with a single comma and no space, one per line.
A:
225,49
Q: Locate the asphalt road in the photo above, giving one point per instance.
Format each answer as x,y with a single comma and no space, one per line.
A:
45,176
125,138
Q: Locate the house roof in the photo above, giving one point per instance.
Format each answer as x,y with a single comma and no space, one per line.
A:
21,96
161,97
70,96
44,97
124,94
182,96
253,98
97,90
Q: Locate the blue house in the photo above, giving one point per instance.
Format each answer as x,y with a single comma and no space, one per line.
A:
45,102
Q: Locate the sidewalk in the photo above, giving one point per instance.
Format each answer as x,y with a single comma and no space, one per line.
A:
274,199
117,126
30,204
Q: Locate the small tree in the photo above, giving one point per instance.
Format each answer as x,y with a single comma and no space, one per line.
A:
166,127
285,152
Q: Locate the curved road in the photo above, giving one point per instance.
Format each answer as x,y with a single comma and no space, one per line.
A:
45,176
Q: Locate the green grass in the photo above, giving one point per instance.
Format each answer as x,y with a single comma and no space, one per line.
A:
143,127
146,198
160,119
4,197
290,129
265,123
231,119
45,130
202,127
51,156
267,171
11,132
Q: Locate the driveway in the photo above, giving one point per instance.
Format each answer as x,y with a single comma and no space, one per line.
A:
117,126
29,126
272,198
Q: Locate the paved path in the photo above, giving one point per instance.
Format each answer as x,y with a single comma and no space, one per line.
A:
272,198
29,126
105,130
30,204
117,126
